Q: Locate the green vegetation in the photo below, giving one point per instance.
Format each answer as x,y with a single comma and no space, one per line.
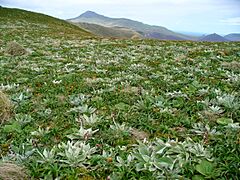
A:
25,24
119,109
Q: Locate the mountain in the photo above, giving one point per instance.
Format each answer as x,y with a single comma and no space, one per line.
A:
91,14
25,24
213,38
147,31
110,32
233,37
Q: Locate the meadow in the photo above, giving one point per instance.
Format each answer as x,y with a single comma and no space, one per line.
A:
91,108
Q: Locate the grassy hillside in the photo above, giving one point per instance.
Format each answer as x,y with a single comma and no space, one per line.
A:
111,32
119,109
20,23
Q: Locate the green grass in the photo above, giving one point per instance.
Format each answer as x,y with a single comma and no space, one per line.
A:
183,95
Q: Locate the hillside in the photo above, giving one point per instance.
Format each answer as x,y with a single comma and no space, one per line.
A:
148,31
233,37
78,107
17,23
110,32
213,38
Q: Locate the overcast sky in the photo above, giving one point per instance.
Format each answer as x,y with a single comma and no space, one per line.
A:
204,16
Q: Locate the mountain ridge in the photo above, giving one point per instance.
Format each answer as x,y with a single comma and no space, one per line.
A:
213,38
233,37
110,32
148,31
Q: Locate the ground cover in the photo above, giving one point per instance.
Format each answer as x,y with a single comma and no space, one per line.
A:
93,108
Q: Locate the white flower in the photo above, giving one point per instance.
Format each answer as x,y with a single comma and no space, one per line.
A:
56,81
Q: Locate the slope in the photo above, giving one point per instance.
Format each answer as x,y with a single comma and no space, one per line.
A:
233,37
19,23
105,108
112,32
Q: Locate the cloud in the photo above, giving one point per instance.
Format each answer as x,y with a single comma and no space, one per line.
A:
72,3
231,21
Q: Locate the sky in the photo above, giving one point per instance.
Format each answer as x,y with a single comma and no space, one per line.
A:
200,16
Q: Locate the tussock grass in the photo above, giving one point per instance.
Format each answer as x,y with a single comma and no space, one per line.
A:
5,108
9,171
234,65
15,49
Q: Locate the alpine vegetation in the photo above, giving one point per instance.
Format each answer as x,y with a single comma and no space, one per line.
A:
81,107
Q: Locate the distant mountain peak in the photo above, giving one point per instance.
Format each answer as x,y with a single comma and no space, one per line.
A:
89,14
213,38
